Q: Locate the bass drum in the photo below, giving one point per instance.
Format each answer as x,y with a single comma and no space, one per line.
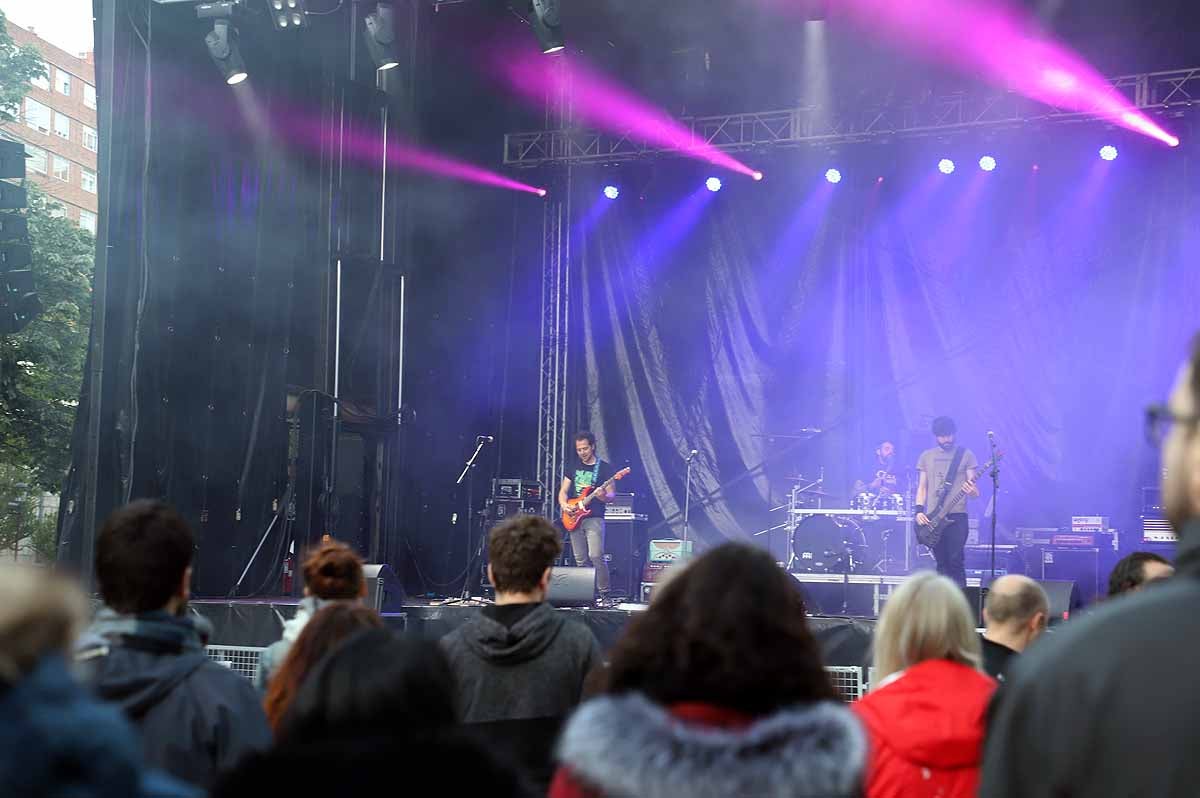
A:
826,544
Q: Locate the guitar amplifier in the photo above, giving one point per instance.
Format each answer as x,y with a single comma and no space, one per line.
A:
519,489
1156,529
1036,536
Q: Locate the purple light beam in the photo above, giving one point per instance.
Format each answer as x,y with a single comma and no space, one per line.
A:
984,38
606,105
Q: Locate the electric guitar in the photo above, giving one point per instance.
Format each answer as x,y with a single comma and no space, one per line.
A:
577,508
929,534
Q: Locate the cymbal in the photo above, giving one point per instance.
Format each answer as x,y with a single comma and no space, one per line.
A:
815,491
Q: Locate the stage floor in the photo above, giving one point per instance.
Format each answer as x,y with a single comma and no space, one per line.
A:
259,622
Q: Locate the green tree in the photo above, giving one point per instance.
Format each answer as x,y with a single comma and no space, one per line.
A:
18,66
41,367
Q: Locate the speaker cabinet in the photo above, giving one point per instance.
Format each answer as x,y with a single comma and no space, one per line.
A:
571,586
384,591
1079,565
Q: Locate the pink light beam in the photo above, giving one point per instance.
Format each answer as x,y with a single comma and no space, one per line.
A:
606,105
984,38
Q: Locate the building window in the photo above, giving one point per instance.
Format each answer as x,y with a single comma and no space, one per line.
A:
63,84
89,95
43,82
62,168
37,116
62,126
89,181
36,160
56,211
89,138
87,220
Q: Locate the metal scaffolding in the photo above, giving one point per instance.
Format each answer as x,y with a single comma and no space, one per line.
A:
555,327
1169,93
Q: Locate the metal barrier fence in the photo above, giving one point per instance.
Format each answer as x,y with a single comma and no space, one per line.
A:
242,660
851,681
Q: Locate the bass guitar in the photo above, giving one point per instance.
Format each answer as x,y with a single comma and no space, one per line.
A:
929,534
577,508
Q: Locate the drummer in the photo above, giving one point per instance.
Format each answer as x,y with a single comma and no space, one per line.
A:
878,475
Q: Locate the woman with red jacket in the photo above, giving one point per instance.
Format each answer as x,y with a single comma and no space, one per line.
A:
716,690
926,716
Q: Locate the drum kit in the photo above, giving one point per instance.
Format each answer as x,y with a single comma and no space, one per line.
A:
868,537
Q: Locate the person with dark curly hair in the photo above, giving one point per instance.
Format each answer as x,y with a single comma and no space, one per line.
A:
519,666
332,572
146,654
716,689
332,624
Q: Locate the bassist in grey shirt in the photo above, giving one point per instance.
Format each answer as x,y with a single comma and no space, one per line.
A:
942,493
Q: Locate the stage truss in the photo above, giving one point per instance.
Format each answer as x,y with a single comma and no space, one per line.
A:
555,316
1169,93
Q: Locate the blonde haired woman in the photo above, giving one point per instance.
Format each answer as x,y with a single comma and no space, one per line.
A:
925,716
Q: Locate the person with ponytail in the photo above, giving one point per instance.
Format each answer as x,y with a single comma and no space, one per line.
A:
332,572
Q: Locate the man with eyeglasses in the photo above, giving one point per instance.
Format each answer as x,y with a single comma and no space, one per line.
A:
1110,704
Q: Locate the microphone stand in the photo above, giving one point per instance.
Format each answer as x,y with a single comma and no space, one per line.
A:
687,493
479,443
995,472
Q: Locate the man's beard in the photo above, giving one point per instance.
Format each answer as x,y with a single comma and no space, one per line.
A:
947,446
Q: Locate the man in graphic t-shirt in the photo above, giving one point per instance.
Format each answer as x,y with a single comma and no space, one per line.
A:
941,487
587,539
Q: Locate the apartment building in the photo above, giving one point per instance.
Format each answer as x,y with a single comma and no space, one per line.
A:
57,124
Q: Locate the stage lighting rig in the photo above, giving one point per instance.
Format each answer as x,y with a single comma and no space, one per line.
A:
288,14
223,47
381,37
546,20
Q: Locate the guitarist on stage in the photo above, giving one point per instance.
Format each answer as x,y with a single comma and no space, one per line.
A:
947,480
587,539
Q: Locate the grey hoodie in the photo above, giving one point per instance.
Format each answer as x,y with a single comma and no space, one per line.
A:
535,669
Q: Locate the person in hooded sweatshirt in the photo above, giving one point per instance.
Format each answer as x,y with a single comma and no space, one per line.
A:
717,690
927,714
519,665
145,654
332,572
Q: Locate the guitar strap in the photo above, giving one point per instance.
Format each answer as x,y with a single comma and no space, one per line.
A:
951,473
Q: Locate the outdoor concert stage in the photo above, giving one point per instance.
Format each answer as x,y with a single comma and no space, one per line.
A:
844,641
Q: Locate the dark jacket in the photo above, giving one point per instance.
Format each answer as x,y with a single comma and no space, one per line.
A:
926,727
1108,704
535,669
997,658
57,740
196,717
627,745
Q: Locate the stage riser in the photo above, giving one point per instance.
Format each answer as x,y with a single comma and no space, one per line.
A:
843,641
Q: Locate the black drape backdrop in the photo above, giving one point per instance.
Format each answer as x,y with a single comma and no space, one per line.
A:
1048,305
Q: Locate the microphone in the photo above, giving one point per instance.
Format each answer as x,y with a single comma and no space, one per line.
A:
991,435
692,454
484,438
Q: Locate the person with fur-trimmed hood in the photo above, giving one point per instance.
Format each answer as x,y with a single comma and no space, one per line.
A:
716,690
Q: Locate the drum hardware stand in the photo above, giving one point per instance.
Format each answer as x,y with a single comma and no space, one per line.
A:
794,505
995,473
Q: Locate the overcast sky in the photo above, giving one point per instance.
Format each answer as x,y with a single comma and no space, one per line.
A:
63,23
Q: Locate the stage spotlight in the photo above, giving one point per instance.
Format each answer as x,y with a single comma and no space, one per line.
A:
546,22
612,192
987,163
222,46
288,14
833,175
713,184
946,166
381,37
541,192
757,176
1108,152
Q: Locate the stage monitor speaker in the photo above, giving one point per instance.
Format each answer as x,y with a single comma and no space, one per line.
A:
384,591
571,586
1064,597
